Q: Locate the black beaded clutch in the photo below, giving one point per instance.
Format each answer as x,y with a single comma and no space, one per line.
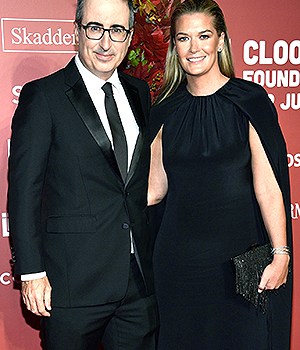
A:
249,268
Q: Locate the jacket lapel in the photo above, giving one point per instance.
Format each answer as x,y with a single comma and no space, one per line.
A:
136,107
80,99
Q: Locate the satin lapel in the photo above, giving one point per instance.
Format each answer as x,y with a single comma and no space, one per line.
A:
136,107
82,102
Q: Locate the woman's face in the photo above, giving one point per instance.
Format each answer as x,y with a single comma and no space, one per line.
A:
197,43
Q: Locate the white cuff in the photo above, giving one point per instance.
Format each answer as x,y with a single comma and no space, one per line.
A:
33,276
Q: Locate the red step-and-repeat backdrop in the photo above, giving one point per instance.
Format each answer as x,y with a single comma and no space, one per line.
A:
37,38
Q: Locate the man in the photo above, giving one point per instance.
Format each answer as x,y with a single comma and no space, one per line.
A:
77,193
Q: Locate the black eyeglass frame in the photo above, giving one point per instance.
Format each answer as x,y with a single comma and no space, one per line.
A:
90,24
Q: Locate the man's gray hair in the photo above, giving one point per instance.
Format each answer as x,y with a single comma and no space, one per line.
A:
80,9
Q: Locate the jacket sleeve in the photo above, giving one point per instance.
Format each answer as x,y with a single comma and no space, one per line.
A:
30,145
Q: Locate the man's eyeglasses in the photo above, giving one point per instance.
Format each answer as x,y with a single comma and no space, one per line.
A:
95,31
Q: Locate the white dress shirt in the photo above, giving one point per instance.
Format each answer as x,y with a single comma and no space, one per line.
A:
94,86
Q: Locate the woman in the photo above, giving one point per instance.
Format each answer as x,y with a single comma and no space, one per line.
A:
219,155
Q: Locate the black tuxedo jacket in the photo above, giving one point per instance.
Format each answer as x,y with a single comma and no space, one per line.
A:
70,211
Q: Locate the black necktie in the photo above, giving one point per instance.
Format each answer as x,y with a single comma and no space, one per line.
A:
118,134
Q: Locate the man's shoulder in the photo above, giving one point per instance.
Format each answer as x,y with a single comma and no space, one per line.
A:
139,83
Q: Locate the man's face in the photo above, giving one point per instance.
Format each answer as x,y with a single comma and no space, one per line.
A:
103,56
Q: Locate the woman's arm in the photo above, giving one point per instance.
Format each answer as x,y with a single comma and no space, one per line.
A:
271,204
158,182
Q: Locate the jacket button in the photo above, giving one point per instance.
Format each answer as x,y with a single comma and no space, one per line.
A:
125,226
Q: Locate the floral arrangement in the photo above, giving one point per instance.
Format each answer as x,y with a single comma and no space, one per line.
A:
146,55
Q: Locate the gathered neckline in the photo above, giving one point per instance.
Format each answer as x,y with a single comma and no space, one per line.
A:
209,95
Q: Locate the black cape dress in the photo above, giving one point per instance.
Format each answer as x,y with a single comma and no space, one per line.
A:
211,215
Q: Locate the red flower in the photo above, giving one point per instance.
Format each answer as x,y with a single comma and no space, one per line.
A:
147,52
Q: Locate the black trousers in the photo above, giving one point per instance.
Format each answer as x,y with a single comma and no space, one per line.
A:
129,324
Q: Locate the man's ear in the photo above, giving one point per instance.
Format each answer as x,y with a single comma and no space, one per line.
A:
76,32
131,35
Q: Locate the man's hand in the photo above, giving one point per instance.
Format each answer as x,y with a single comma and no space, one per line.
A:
37,296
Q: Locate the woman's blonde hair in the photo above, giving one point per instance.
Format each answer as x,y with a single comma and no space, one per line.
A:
174,74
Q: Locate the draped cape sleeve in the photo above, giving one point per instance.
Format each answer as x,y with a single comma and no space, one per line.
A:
254,102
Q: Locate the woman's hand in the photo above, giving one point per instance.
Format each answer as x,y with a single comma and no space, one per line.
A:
275,274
